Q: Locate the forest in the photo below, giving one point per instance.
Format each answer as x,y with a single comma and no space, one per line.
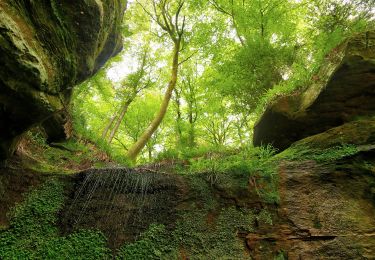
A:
187,129
187,84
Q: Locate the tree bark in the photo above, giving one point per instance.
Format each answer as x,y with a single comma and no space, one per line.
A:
191,128
140,144
179,117
119,120
191,136
109,125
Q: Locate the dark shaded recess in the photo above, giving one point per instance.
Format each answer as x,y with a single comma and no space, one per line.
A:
350,93
54,127
13,118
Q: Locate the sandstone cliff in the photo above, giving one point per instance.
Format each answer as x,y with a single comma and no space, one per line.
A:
46,48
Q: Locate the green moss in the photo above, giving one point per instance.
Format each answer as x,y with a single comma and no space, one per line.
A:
281,256
264,216
206,228
201,192
62,158
319,155
317,223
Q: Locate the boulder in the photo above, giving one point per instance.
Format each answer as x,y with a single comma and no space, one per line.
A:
343,90
46,48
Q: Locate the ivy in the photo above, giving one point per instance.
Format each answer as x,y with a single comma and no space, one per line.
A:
33,232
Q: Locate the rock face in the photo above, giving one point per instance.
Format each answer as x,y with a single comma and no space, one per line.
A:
326,209
129,202
327,193
343,89
47,47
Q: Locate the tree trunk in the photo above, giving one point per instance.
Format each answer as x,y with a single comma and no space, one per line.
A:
191,128
140,144
150,153
192,136
179,117
119,120
109,125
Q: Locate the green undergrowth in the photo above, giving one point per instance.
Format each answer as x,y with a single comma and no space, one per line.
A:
330,154
102,145
256,164
155,243
188,153
61,158
33,232
201,233
207,227
194,237
206,230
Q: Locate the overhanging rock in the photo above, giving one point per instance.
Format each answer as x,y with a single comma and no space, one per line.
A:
343,90
47,47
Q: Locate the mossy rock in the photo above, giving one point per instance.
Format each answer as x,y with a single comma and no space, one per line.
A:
341,91
360,133
46,48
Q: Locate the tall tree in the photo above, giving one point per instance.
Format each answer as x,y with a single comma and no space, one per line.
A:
140,114
190,92
268,43
133,85
167,15
177,101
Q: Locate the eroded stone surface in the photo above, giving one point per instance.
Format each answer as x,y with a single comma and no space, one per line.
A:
324,213
122,203
47,47
326,209
343,90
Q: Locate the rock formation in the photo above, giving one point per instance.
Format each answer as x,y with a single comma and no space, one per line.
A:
46,48
326,209
343,89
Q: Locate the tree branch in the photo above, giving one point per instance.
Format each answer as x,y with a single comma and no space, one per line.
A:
188,58
122,144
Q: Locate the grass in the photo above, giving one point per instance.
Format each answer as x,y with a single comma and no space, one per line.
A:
186,153
254,163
